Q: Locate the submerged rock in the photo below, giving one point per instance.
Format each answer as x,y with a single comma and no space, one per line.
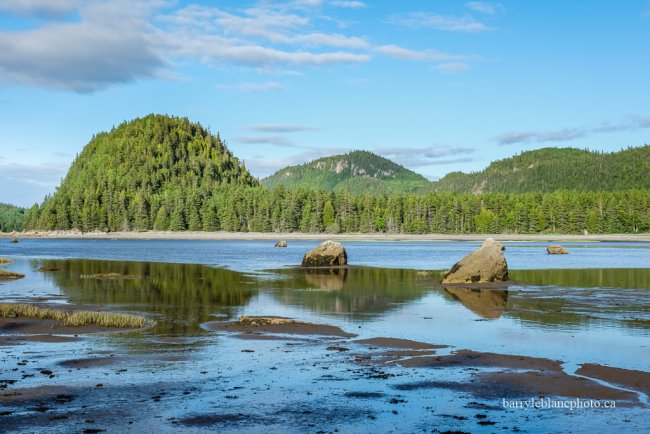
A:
485,264
327,254
557,250
281,244
14,240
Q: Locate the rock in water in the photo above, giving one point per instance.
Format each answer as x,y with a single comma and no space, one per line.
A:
485,264
556,250
327,254
281,244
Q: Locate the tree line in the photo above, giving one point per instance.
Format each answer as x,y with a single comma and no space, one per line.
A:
256,209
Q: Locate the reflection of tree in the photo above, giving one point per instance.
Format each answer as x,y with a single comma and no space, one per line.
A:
488,303
365,291
185,295
586,278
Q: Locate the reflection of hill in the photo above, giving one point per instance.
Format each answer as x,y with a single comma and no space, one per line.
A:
184,294
365,291
586,278
488,303
327,279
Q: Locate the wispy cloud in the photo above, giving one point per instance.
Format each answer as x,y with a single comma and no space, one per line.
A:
253,87
281,128
349,4
573,133
427,156
266,140
29,182
427,55
452,67
439,22
485,8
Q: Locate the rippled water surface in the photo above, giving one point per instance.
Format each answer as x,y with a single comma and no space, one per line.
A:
591,306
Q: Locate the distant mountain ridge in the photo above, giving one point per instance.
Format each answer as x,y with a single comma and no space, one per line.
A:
357,172
551,169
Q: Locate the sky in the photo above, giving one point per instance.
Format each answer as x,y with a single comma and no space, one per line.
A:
435,85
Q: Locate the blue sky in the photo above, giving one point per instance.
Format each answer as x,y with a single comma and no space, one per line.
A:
437,86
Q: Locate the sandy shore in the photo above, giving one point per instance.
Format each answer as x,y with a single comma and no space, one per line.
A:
296,236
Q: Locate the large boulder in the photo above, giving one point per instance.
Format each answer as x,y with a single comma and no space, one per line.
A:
327,254
485,264
556,250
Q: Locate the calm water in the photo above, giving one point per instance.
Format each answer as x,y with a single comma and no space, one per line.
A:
589,306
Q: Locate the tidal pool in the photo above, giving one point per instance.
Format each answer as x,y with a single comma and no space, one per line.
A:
455,355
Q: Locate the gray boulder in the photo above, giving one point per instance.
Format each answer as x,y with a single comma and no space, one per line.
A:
485,264
327,254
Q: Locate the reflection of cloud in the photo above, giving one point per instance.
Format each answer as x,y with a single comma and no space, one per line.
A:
522,137
438,22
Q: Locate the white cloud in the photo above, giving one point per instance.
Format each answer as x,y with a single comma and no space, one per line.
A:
452,67
29,183
439,22
39,8
484,8
408,54
426,156
253,87
266,140
123,41
281,128
523,137
349,4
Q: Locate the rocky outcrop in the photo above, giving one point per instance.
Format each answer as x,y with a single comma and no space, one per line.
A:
557,250
327,254
281,244
485,264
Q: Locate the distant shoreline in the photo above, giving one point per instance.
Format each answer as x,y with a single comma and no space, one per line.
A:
298,236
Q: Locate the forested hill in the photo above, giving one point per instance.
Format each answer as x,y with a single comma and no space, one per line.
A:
11,218
154,172
357,172
552,169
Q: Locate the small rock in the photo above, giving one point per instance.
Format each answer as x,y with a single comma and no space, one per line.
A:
281,244
557,250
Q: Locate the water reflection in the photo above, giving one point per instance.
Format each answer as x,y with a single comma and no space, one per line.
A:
586,278
181,295
360,292
327,279
487,303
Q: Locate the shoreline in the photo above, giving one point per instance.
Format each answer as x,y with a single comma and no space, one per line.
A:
299,236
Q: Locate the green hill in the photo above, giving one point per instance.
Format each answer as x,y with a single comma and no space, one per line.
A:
552,169
154,172
357,172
